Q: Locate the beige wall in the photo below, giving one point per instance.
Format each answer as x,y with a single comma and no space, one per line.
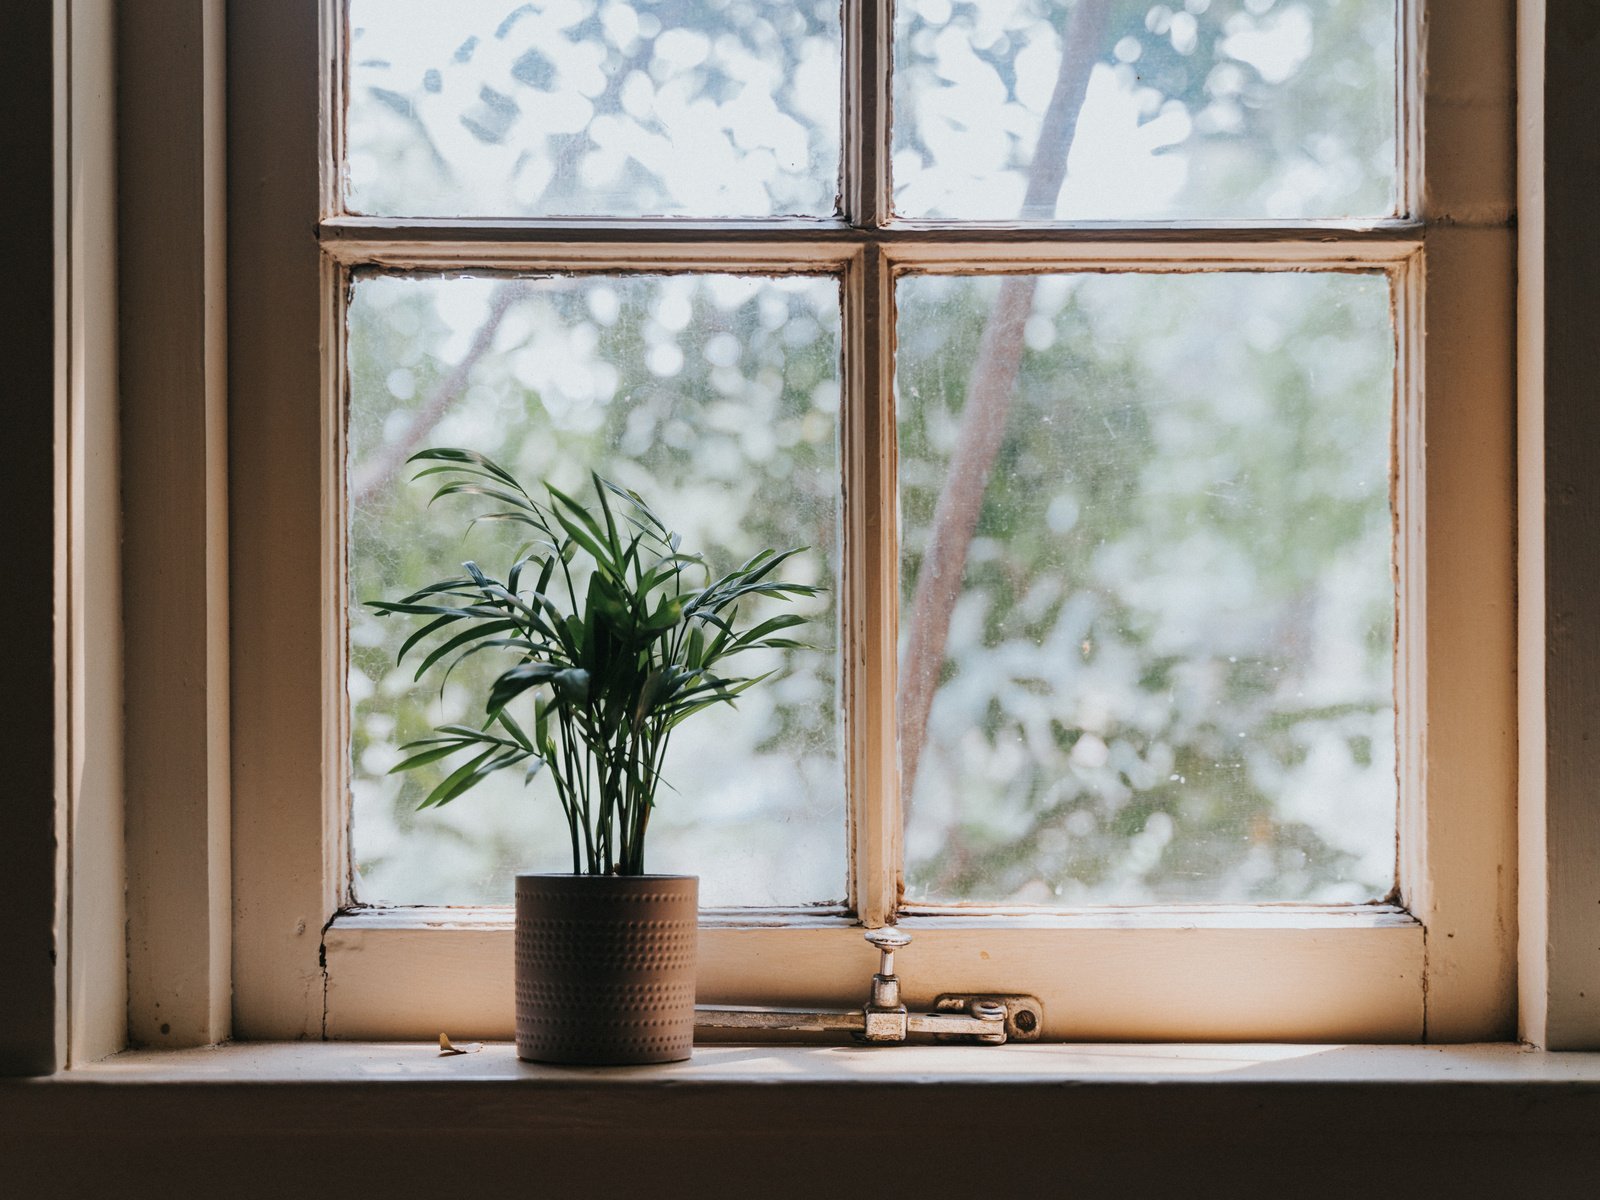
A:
61,964
1559,515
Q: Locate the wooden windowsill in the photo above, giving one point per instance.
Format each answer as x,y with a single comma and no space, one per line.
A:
1123,1121
495,1064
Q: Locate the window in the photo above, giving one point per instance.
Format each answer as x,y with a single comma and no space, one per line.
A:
1118,323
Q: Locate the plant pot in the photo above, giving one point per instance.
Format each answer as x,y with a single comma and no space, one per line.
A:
605,968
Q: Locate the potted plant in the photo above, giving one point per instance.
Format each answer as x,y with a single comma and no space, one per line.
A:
614,635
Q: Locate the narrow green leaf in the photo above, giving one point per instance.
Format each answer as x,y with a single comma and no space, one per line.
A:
587,540
431,626
573,683
456,782
513,728
654,687
452,587
478,489
427,756
517,680
786,621
485,629
611,525
455,456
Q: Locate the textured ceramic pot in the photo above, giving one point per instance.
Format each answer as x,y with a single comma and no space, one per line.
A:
605,968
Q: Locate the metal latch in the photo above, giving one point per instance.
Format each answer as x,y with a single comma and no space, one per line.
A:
985,1019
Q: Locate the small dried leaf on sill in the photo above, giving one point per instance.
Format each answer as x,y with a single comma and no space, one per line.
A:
447,1047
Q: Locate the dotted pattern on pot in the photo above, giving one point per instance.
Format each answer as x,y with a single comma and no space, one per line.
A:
604,976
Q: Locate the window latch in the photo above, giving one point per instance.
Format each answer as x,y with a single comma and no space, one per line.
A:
984,1018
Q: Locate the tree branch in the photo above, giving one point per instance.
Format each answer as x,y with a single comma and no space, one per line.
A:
990,389
391,459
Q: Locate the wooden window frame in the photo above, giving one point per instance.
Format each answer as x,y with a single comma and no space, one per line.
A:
1438,966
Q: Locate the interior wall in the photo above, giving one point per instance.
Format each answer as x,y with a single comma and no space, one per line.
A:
175,520
1559,514
32,1037
97,987
62,964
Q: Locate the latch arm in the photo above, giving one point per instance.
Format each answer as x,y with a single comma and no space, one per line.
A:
795,1020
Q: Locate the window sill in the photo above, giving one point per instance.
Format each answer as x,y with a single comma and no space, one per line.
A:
1096,1120
383,1065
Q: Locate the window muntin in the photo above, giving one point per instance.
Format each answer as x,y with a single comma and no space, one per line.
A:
715,396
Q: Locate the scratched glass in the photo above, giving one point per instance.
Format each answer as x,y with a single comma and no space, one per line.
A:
1189,110
495,108
716,397
1146,556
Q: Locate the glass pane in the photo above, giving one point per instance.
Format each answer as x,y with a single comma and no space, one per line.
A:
1118,110
716,398
705,108
1146,543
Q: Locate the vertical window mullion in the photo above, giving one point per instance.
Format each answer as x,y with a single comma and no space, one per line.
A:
871,589
870,561
1408,110
864,182
335,32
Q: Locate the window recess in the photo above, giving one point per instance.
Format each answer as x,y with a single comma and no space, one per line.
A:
1209,471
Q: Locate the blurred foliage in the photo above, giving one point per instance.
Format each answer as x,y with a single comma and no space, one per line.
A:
571,107
1201,110
1169,672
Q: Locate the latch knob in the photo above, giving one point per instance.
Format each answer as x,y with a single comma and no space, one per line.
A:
887,941
885,1015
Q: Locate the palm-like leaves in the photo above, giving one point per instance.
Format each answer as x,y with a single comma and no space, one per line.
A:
615,656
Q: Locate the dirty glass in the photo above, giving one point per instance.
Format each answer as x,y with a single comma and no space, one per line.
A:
497,108
1124,110
1148,620
716,397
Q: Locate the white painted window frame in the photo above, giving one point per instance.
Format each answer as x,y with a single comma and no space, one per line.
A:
1439,966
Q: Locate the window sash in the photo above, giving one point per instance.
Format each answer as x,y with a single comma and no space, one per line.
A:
868,267
1331,972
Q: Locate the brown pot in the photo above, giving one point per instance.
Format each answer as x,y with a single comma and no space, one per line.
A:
605,968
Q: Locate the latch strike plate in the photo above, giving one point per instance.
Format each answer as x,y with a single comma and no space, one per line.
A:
1024,1014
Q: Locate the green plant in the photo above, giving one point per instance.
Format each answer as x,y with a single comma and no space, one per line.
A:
611,637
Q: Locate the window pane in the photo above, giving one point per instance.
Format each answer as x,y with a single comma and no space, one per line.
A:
1260,109
716,398
1146,543
708,108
